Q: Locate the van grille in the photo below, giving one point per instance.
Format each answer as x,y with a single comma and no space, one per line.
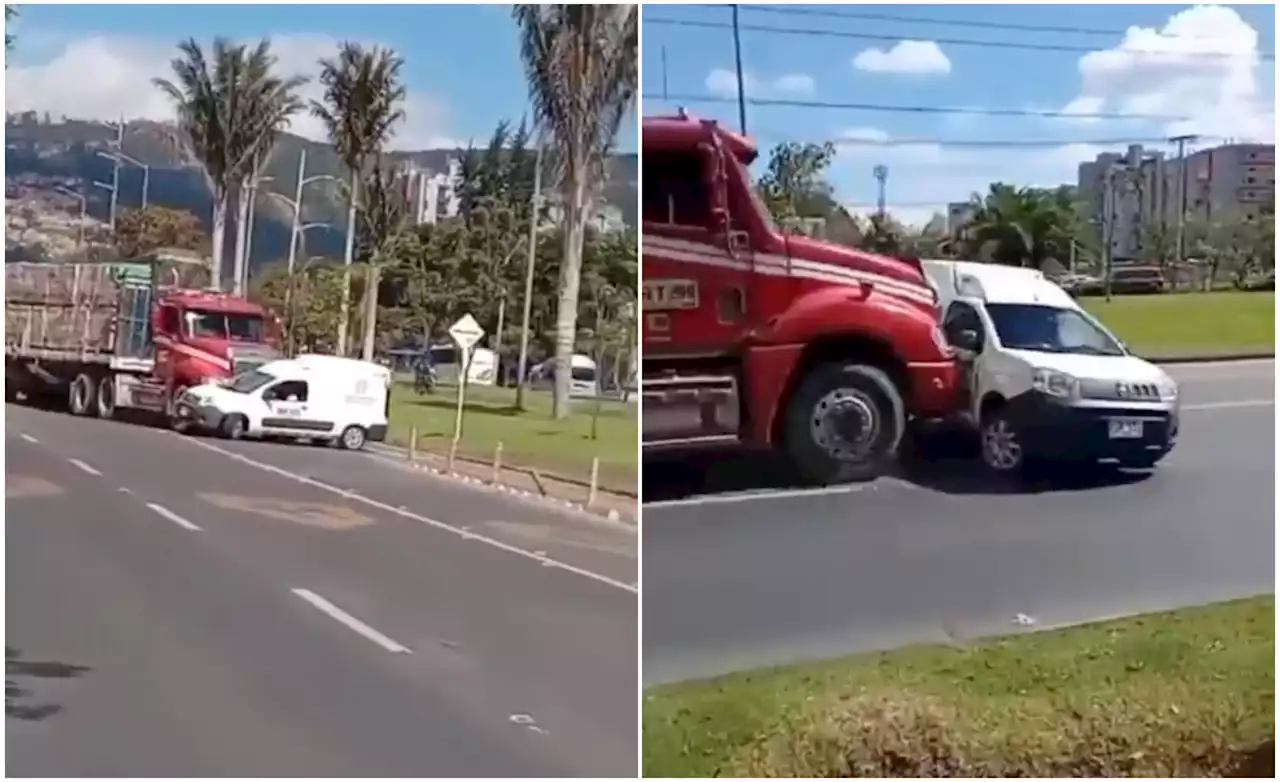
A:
1119,391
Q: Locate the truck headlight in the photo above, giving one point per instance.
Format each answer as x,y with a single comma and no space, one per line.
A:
1054,383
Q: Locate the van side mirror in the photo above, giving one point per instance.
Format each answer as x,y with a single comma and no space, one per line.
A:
967,339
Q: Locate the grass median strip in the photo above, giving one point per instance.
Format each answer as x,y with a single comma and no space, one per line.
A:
1183,693
530,439
1175,324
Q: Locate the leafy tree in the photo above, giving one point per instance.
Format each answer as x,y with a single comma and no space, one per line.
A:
581,65
10,13
385,239
794,183
142,231
363,102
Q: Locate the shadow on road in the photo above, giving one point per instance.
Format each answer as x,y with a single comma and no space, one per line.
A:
947,464
16,669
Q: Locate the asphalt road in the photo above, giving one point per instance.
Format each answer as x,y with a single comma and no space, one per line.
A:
738,575
181,607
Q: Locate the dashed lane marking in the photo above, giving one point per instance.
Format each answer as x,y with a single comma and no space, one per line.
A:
85,466
28,438
351,622
1233,404
430,522
171,516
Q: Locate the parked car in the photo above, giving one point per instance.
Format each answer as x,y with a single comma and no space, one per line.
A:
1137,279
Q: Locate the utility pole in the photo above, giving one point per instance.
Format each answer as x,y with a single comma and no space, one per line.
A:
114,187
535,212
737,56
1183,163
881,173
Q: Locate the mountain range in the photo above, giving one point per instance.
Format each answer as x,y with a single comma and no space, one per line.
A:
39,149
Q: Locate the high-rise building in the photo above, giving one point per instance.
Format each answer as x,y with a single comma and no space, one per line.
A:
1231,181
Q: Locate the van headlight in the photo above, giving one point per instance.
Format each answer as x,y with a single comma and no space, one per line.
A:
1168,390
1055,383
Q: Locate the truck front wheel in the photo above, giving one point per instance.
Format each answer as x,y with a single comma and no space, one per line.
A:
80,396
843,424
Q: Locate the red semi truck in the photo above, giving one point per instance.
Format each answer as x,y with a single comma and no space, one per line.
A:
108,335
755,337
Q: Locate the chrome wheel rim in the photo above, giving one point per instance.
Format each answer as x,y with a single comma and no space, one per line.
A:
1000,447
845,423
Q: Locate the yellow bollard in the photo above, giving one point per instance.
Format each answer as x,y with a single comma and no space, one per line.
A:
595,482
497,463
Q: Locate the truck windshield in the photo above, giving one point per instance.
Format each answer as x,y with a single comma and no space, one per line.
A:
757,202
249,381
235,327
1050,330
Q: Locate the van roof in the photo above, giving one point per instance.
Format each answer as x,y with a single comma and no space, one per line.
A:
995,284
313,364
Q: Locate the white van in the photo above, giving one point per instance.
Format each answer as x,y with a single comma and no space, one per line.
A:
584,379
327,398
1045,381
448,359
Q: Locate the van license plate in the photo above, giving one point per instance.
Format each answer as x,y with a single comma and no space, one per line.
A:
1124,428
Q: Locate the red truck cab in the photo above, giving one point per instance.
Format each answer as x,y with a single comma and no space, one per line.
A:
207,335
761,338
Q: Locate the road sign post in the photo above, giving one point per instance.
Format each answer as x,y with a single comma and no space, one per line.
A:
465,333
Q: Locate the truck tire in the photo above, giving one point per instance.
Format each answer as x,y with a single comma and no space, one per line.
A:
81,395
106,406
860,399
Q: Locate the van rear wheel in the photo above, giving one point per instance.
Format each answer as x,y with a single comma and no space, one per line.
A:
843,424
353,438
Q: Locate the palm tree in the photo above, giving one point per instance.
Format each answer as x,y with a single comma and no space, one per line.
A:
387,234
10,13
580,62
226,103
1020,226
264,109
363,98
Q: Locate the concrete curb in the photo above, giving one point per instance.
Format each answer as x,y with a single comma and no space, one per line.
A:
1212,358
612,515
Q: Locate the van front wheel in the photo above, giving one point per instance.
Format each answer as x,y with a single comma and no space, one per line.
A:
843,424
352,439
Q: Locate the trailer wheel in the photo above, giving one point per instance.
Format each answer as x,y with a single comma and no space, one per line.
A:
107,398
80,396
843,424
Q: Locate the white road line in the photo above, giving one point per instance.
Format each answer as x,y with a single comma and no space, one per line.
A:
171,516
28,438
1229,405
89,468
351,622
440,525
753,495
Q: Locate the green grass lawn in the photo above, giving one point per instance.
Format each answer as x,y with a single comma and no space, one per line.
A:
1185,693
1190,323
529,439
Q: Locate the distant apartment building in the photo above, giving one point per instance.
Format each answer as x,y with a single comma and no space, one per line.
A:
1233,181
434,195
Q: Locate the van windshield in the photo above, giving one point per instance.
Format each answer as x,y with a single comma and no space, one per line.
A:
1051,330
249,382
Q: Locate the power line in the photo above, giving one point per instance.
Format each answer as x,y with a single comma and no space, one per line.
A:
997,144
817,104
1030,28
1041,47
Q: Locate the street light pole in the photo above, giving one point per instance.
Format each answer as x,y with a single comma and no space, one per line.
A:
535,212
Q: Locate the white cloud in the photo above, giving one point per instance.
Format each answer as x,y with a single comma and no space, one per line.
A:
724,83
103,78
1172,71
912,57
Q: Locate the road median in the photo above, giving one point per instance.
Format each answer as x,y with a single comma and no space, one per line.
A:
1182,693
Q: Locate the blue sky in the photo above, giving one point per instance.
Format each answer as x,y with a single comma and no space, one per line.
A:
462,65
1214,95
